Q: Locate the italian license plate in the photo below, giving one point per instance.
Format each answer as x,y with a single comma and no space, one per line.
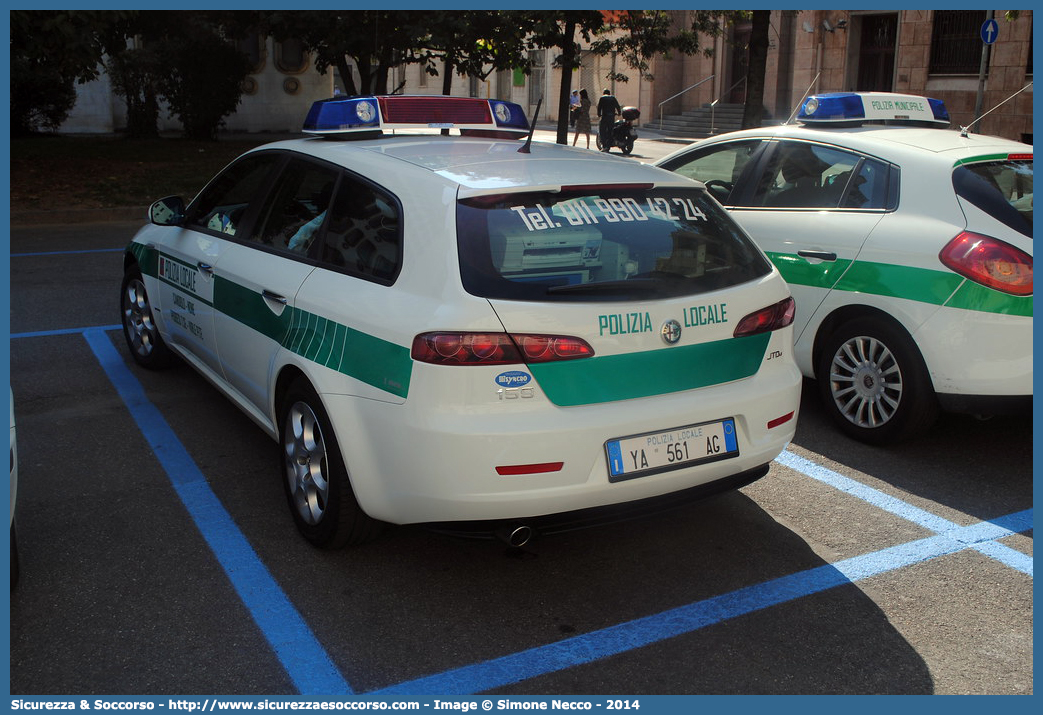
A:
653,452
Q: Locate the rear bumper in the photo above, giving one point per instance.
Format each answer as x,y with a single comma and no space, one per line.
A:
605,515
415,463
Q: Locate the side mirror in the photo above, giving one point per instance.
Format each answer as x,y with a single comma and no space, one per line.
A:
167,212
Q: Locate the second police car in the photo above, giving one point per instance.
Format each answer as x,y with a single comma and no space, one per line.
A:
468,328
908,248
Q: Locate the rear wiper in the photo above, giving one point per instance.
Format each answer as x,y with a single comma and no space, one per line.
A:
641,284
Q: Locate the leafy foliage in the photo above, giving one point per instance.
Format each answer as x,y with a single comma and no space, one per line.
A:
135,76
41,98
51,50
203,82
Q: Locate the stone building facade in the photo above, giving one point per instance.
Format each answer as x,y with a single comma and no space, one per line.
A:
936,53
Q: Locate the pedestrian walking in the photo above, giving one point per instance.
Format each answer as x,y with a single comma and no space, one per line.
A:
608,108
582,114
573,107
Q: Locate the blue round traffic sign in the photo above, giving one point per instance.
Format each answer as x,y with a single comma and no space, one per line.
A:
990,30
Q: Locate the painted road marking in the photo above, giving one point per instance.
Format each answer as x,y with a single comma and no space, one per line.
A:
1008,556
68,253
305,661
589,647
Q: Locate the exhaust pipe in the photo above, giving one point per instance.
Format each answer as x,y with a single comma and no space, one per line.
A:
514,535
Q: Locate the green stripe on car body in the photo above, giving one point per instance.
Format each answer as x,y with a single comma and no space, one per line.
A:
919,284
923,285
609,378
147,258
978,159
388,366
369,359
974,296
797,270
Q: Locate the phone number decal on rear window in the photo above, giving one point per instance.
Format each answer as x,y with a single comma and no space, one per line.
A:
590,210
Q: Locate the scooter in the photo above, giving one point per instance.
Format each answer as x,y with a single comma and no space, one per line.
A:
623,133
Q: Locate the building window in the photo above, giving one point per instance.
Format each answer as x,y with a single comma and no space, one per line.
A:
956,41
290,56
252,45
536,76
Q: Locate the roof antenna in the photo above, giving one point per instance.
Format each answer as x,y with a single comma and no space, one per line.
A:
966,129
532,129
797,108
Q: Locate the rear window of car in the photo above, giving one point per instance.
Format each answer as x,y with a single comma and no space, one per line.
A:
1002,189
588,244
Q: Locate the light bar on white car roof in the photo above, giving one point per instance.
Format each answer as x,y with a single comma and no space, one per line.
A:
856,107
369,116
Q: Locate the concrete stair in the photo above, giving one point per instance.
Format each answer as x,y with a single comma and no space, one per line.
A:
697,123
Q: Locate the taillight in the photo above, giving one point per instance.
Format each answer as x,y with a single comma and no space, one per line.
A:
989,261
767,319
452,348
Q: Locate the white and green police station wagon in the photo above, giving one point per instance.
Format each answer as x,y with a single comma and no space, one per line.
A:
908,248
469,328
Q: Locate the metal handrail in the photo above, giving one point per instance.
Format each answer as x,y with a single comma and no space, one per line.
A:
713,104
707,79
729,90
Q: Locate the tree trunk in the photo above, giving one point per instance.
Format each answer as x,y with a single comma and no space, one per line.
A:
753,113
347,76
568,60
447,73
365,76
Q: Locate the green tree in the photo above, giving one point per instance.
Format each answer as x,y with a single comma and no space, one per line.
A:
473,43
557,30
41,97
203,81
635,35
375,40
135,74
52,50
186,58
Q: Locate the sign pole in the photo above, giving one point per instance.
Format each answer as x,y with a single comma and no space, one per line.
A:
989,30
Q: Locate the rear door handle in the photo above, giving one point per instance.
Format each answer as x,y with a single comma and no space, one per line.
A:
274,297
818,255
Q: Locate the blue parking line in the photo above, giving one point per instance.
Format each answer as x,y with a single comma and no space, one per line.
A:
305,661
589,647
63,331
64,253
1011,557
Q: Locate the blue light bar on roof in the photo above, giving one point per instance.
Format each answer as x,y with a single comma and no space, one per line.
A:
848,107
342,115
366,115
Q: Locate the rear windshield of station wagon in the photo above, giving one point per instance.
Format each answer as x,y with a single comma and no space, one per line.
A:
591,244
1002,189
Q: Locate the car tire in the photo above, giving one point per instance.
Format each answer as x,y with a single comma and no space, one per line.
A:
874,382
139,326
318,489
